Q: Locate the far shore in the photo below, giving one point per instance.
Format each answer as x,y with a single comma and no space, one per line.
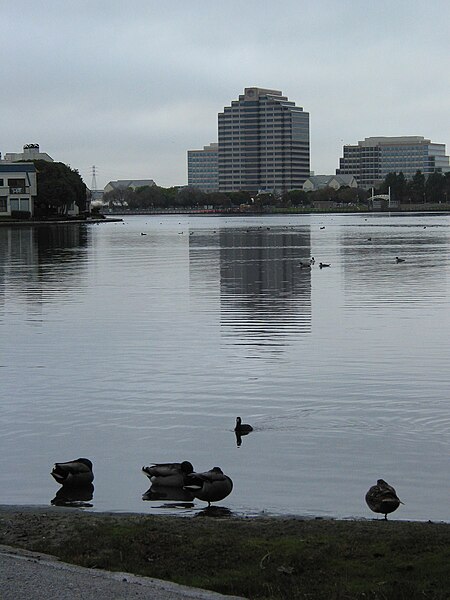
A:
260,558
117,215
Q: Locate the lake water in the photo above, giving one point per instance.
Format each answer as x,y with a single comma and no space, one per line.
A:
131,349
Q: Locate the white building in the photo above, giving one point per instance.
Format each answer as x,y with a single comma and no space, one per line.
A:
18,188
319,182
123,184
30,152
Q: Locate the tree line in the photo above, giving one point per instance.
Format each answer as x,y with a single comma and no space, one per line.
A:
432,189
420,189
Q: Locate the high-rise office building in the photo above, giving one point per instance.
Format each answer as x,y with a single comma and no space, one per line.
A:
203,168
263,143
372,159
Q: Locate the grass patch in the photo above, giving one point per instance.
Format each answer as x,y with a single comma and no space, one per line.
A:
260,559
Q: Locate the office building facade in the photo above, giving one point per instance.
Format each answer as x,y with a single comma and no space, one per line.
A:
263,143
372,159
203,170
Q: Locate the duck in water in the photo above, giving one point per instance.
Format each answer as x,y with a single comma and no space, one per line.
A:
169,474
75,473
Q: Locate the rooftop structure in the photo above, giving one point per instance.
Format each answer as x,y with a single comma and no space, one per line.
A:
30,152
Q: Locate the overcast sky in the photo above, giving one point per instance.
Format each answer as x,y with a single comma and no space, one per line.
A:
129,86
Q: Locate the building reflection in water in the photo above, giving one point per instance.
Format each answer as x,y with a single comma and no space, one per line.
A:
265,295
28,256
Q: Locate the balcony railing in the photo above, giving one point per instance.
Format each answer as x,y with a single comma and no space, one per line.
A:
19,190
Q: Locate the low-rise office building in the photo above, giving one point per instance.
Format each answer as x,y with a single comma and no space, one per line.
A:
373,158
203,169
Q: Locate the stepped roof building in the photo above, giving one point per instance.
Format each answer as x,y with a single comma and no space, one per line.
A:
263,143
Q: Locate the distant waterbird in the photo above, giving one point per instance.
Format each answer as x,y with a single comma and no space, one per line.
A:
399,260
323,265
382,498
242,428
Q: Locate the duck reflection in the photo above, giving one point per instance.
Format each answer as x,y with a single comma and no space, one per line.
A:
160,492
79,496
215,512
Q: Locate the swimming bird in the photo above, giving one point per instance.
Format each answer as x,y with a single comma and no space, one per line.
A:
75,473
399,260
382,498
210,486
242,428
323,265
313,260
169,474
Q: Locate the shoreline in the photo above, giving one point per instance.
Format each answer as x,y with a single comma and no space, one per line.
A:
258,557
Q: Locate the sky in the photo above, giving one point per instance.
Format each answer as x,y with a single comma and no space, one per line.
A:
130,86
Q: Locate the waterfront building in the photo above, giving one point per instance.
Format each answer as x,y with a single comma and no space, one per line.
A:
319,182
372,159
263,143
18,188
123,184
30,152
203,170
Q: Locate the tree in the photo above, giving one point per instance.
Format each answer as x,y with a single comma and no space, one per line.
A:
417,187
191,196
434,187
397,184
58,187
295,198
118,197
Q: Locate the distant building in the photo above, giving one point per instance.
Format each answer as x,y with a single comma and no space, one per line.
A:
318,182
372,159
18,188
30,152
122,184
203,171
263,143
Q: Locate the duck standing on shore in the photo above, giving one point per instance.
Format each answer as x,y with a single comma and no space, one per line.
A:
74,473
169,474
382,498
210,486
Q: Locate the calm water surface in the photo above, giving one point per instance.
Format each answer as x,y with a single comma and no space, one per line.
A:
130,349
